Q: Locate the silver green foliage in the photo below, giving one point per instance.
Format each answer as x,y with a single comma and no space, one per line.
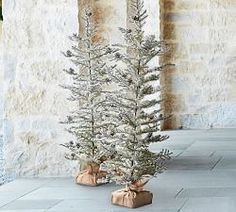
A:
137,103
89,122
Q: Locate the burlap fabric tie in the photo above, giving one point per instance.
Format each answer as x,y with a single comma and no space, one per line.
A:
90,175
132,196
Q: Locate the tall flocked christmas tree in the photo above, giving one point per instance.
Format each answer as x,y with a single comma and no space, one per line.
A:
137,107
89,122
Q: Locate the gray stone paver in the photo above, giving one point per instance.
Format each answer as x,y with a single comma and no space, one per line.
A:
210,204
197,178
198,153
201,177
194,163
227,162
30,204
23,210
214,145
207,192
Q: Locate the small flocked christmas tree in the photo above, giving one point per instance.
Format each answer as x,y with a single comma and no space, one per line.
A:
138,112
89,122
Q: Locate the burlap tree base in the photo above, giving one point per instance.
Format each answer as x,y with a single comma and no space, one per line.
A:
131,199
91,176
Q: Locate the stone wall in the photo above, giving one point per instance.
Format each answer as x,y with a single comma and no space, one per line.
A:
1,102
34,33
201,90
1,70
1,75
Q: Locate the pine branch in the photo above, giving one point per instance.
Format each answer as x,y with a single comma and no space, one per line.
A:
86,122
136,111
149,103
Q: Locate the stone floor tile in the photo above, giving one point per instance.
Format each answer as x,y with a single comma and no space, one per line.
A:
29,204
159,204
161,191
190,183
18,210
6,200
61,182
82,205
213,146
207,192
143,209
73,192
227,162
213,204
174,145
186,133
106,206
193,163
225,153
197,153
24,185
215,139
196,178
222,131
18,188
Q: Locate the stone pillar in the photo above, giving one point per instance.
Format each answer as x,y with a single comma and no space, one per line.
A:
200,90
109,15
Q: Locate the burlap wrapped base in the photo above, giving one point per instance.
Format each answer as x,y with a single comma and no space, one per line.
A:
91,176
131,198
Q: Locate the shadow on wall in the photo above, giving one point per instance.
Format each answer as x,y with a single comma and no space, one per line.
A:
1,16
101,10
172,102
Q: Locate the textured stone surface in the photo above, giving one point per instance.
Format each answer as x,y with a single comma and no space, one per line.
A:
193,185
1,106
200,90
35,33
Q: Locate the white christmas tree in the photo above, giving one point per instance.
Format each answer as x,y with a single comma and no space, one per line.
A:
89,122
137,104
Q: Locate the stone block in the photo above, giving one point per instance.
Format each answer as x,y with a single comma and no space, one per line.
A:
182,5
216,204
30,204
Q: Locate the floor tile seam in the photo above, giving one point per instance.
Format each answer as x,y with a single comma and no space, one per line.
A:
179,192
21,196
190,145
182,206
56,203
218,161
